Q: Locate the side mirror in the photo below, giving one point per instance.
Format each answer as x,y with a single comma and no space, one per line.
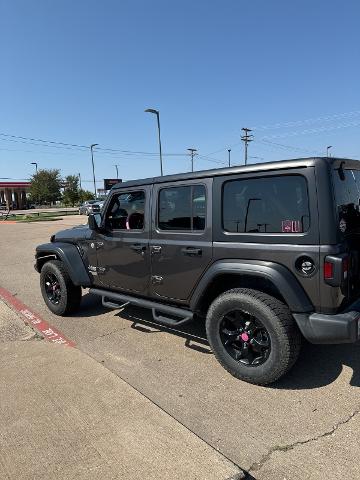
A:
94,221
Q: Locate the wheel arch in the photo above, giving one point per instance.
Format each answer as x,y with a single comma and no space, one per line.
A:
268,277
71,258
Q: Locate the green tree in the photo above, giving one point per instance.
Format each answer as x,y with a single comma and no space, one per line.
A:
72,193
45,186
85,195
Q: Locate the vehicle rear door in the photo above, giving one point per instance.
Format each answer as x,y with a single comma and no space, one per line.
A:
181,243
346,182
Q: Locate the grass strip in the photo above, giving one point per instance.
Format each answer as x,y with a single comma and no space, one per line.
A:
38,219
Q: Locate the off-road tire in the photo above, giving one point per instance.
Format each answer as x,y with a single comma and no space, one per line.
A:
70,293
285,337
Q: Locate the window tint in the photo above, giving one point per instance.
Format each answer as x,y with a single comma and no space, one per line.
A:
182,208
126,211
269,204
347,197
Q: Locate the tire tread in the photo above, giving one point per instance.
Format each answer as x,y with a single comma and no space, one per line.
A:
287,331
73,292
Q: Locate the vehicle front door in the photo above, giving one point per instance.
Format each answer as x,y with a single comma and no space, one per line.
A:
181,243
123,259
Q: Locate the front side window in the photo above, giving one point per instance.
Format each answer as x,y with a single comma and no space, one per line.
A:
182,208
126,211
276,204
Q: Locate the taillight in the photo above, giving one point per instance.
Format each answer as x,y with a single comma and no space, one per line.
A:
336,268
328,270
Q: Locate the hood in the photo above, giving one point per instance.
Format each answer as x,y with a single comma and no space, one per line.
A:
72,234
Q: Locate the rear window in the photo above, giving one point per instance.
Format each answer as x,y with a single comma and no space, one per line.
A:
277,204
182,208
347,198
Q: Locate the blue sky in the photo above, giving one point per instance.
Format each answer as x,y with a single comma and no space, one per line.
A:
83,72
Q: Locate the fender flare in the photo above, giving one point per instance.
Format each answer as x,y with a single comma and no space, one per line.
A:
70,256
286,283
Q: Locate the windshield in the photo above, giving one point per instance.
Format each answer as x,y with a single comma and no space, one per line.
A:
347,198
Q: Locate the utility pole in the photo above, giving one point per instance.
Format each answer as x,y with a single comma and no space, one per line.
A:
247,139
92,161
117,172
80,180
192,153
229,150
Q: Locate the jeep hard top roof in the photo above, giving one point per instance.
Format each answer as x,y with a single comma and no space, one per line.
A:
256,167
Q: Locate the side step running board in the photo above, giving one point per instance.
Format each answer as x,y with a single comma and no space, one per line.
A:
118,300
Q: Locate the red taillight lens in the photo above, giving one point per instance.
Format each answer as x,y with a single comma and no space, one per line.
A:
328,270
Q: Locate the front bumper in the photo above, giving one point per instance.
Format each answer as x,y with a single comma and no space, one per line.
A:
329,329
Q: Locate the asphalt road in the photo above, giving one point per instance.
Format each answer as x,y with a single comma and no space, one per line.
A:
304,427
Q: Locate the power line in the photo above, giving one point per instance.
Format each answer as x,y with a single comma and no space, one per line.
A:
325,118
289,147
312,130
72,146
43,141
112,152
39,145
225,148
38,154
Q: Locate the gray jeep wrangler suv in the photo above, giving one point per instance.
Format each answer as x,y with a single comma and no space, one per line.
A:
268,253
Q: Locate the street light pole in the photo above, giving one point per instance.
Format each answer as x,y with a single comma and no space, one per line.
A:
156,112
117,172
327,150
36,171
229,150
192,153
92,161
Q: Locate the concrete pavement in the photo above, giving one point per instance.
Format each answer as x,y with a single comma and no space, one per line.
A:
65,416
276,432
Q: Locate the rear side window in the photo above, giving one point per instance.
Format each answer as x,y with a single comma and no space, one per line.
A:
347,198
182,208
276,204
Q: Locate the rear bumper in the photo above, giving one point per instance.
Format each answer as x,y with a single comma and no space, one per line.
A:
329,329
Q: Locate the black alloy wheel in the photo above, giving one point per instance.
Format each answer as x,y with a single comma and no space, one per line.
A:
245,338
52,288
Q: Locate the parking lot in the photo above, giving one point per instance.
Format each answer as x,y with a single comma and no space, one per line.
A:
271,432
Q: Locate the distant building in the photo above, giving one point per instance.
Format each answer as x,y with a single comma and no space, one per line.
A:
13,194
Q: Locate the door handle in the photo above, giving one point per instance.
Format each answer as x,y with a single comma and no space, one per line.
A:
155,249
195,252
137,247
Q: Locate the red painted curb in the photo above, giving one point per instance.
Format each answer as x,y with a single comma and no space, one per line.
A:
50,333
